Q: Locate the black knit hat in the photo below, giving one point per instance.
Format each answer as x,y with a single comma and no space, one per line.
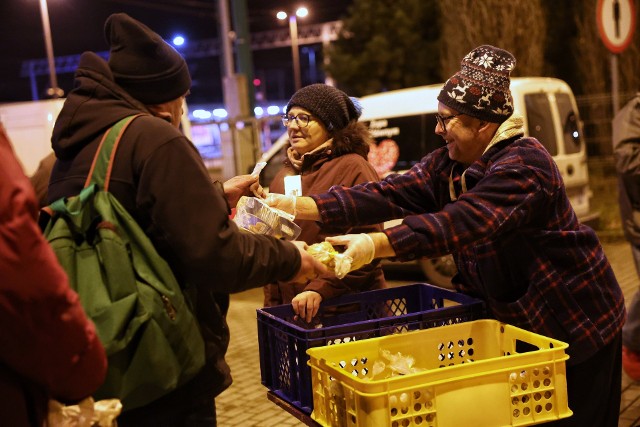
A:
143,64
334,108
481,88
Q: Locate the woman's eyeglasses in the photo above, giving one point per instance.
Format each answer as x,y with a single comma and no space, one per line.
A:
302,119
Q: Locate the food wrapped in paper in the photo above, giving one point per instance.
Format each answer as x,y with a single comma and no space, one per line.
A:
253,215
326,254
323,252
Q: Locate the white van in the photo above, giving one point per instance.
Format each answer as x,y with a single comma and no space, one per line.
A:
403,124
29,125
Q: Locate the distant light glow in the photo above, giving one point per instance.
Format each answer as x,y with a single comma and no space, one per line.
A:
178,41
49,117
575,134
220,113
239,125
202,114
302,12
224,127
281,15
258,111
257,82
273,110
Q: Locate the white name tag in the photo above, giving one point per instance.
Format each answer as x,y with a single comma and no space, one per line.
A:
293,185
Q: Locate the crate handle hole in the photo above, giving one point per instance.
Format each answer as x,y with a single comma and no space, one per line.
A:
525,347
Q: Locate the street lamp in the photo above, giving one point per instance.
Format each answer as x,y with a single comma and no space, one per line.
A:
54,91
293,34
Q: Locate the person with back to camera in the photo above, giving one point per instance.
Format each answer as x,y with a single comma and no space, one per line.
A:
48,346
626,151
496,201
328,146
160,179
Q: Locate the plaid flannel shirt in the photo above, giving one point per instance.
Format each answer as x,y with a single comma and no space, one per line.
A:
513,233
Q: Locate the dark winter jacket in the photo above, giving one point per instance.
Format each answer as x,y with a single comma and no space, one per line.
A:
48,346
161,180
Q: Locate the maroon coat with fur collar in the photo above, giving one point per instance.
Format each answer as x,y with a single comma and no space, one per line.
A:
321,171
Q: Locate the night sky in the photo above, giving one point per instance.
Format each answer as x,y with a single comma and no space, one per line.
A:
77,26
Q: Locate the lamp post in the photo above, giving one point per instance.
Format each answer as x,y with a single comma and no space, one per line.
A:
293,34
54,91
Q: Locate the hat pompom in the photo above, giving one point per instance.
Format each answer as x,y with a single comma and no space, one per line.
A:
357,105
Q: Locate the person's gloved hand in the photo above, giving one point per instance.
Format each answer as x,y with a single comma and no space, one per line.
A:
280,201
360,251
306,305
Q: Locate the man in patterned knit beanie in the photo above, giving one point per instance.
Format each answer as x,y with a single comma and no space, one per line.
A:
477,98
481,88
494,199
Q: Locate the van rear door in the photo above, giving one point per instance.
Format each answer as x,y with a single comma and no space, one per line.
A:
552,117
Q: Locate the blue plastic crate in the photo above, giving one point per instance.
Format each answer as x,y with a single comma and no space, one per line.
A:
284,341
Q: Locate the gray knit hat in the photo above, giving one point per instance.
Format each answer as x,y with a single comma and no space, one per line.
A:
481,88
143,64
334,108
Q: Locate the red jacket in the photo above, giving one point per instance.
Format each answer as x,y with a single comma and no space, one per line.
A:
48,347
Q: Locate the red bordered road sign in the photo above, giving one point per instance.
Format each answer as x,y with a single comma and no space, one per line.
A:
616,23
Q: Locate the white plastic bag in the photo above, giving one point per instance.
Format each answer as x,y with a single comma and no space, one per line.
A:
87,413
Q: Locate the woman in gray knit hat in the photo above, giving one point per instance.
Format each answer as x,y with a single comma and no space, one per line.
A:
328,147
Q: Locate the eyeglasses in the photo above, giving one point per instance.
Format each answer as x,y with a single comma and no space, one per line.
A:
442,121
302,119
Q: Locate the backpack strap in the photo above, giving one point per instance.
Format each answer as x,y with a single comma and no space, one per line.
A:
100,172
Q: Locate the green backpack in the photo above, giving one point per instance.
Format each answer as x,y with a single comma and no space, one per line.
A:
152,340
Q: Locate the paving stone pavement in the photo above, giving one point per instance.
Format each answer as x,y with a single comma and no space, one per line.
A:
245,403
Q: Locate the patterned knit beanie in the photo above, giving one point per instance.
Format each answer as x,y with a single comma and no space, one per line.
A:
334,108
481,88
143,64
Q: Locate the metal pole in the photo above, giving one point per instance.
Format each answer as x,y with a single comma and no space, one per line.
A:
293,30
244,61
54,91
227,55
326,41
615,98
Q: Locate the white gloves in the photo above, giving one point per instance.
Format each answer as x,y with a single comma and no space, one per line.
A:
280,201
360,251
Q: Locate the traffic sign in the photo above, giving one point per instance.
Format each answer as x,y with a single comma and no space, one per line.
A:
616,22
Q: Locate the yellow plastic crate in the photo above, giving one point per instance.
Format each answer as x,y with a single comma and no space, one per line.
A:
482,373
